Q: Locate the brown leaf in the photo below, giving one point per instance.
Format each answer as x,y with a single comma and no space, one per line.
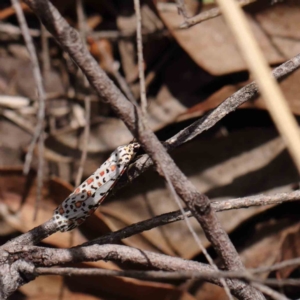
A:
212,46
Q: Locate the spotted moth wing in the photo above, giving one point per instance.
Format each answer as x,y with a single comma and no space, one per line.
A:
89,195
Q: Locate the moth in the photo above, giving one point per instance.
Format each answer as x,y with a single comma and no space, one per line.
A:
90,194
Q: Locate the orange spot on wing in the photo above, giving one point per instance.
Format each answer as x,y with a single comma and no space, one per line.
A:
102,173
61,210
99,183
89,193
89,180
77,191
113,167
78,203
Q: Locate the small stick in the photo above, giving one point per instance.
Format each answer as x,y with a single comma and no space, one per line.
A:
41,111
140,56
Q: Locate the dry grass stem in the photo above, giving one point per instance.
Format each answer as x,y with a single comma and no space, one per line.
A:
268,86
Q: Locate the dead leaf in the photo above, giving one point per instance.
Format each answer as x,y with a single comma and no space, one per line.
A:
212,46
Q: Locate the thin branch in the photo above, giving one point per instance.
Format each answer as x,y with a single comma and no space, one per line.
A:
33,236
171,217
45,51
41,110
250,275
247,93
209,14
182,9
269,292
278,266
37,234
195,236
50,257
175,275
87,100
103,34
139,42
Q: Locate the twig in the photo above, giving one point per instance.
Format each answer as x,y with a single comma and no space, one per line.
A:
118,253
171,217
182,275
139,42
36,234
284,264
209,14
195,236
87,101
182,9
33,236
166,275
85,140
269,292
41,111
206,122
269,88
45,52
18,120
104,34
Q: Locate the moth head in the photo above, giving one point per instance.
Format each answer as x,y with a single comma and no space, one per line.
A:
134,147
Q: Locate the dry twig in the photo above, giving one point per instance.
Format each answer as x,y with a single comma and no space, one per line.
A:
87,100
209,14
119,253
249,92
38,135
139,42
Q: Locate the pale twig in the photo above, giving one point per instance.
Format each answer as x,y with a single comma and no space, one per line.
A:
45,51
87,101
181,275
35,235
268,291
182,9
209,14
268,86
85,140
18,120
103,34
195,236
41,110
139,42
171,217
120,253
122,82
165,275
